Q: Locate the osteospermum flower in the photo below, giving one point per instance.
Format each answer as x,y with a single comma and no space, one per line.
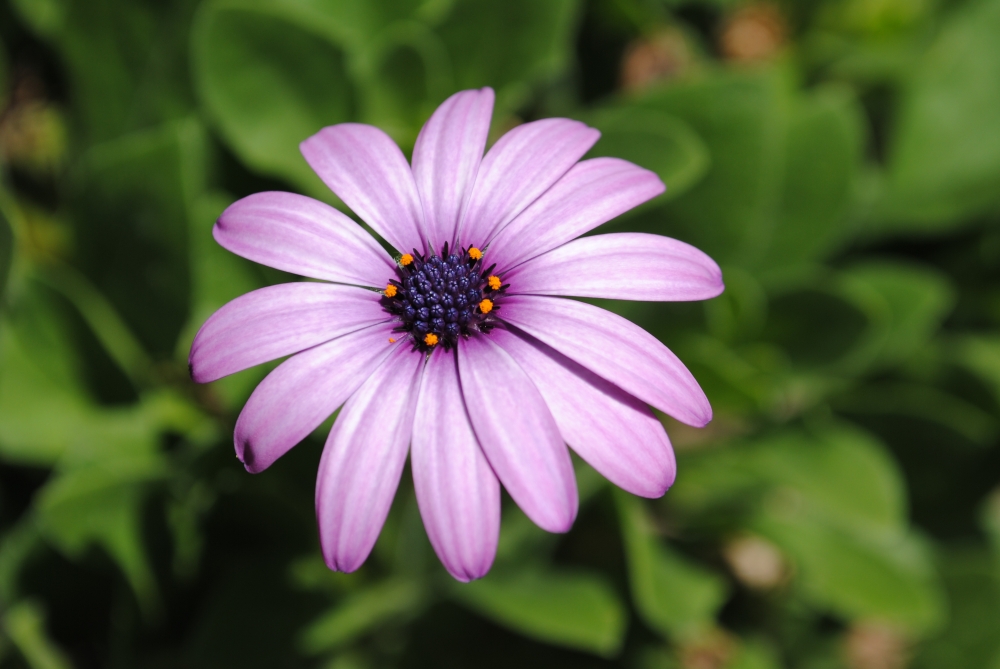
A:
462,351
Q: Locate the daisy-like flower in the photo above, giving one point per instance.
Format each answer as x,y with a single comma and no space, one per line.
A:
461,351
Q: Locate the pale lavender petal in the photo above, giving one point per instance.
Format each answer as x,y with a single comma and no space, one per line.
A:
446,160
614,348
304,390
297,234
457,491
518,434
363,460
614,432
276,321
591,193
365,168
522,165
620,266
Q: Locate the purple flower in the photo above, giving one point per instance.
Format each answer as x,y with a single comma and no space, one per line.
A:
462,351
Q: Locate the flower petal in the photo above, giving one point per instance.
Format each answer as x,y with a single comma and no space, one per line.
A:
297,234
591,193
614,348
620,266
365,168
522,165
614,432
518,434
276,321
446,160
457,491
304,390
363,460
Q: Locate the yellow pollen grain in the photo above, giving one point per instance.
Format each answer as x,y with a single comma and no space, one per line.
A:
431,339
475,253
486,306
405,259
392,340
390,290
494,282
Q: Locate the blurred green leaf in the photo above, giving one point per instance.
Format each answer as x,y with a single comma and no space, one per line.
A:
944,163
971,638
362,611
659,142
573,609
269,78
6,249
511,45
24,624
822,154
855,572
981,356
17,546
905,303
674,596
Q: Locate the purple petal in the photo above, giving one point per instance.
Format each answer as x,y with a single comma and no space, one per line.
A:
614,432
518,434
366,169
592,192
297,234
457,491
446,160
620,266
304,390
522,165
276,321
614,348
363,460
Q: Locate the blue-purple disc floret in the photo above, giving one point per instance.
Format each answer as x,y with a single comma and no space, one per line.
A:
449,296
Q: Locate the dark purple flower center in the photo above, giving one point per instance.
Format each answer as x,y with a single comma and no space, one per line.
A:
443,298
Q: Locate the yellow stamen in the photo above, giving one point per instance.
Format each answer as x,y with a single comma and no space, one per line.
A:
475,253
486,306
390,290
431,339
494,283
405,259
392,340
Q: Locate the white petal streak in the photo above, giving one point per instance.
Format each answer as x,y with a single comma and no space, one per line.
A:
446,160
365,168
518,434
615,349
457,491
614,432
363,460
621,266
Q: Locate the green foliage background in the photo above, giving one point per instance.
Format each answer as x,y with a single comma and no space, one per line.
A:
842,511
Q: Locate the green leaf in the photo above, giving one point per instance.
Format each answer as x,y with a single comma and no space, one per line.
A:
944,163
511,45
905,303
361,612
857,573
269,78
6,249
674,596
24,624
659,142
573,609
822,156
742,118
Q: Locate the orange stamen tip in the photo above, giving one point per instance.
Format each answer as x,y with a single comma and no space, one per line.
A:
494,283
390,290
475,253
405,259
431,339
486,306
392,340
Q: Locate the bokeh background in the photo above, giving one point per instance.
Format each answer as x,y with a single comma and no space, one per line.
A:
839,159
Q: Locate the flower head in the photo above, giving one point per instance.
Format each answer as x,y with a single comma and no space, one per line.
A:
462,352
